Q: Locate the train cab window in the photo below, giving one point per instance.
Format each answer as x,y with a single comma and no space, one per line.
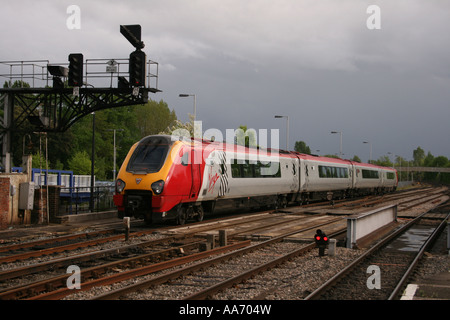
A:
390,175
150,155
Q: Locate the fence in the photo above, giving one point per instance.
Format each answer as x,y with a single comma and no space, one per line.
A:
74,200
75,191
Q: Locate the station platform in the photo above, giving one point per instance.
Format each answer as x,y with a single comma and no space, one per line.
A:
82,217
436,287
61,226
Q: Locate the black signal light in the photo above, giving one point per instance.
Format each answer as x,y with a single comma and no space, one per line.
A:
321,240
75,70
137,68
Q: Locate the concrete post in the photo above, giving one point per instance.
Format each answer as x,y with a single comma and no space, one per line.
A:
332,247
223,238
211,238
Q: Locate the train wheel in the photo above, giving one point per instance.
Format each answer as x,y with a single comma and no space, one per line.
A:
148,218
280,203
200,213
283,202
182,216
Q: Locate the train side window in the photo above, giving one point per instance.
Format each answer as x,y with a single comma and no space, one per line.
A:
247,170
370,174
235,169
322,172
257,168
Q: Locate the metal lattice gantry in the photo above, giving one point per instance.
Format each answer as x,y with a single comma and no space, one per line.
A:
34,99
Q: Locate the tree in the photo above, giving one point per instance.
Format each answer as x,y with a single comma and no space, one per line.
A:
300,146
38,161
331,156
179,128
154,117
428,160
80,163
245,137
383,161
418,156
440,161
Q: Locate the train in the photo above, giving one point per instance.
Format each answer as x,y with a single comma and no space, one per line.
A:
164,178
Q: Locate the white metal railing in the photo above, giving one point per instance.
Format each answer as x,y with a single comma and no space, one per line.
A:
96,72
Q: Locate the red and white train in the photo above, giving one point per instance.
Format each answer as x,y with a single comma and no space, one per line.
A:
162,179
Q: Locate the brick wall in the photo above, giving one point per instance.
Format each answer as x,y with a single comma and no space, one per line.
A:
53,201
4,203
39,212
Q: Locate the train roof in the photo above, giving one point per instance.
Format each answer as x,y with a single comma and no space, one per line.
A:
342,161
282,153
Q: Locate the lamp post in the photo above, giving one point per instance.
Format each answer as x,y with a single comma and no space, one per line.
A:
114,155
91,199
184,95
340,145
287,130
370,144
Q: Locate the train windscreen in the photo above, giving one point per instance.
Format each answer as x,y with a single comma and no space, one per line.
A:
150,155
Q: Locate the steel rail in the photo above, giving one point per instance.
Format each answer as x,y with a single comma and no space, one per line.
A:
30,244
419,256
64,262
330,282
56,282
198,266
38,253
209,292
122,276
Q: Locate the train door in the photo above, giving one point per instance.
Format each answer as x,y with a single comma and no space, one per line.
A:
301,175
306,180
195,173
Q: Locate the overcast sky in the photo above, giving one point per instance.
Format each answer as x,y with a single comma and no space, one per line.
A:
315,61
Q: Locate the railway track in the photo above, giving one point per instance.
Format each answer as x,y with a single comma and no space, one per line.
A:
203,280
126,262
390,262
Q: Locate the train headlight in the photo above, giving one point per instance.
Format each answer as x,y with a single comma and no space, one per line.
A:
120,185
158,186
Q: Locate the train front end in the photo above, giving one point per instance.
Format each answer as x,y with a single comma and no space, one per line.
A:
141,182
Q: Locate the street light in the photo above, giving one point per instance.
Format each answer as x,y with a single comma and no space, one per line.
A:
370,144
91,199
287,130
114,167
340,145
184,95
